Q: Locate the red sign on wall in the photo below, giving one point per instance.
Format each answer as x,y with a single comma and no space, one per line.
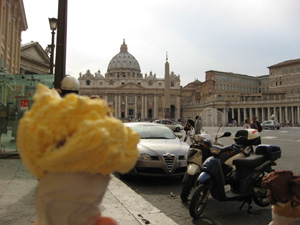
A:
24,104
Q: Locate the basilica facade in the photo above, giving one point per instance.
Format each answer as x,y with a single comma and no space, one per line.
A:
134,96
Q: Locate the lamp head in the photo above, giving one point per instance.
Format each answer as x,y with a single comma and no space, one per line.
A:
53,23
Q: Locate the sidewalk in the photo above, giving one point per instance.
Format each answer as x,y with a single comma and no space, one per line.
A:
17,187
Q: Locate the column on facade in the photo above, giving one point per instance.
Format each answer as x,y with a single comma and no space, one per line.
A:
286,114
177,108
256,114
293,120
225,116
154,106
119,106
126,106
276,113
232,113
298,115
146,107
250,113
239,116
245,114
116,106
143,107
135,106
280,115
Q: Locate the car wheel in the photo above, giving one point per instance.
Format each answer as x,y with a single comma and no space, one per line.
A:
272,128
122,176
278,128
177,129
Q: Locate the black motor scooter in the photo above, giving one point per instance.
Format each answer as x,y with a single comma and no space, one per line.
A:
246,184
202,147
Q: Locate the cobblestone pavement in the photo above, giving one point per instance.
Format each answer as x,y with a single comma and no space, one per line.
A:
159,192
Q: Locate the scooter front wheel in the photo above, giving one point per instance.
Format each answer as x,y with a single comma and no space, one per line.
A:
199,201
187,187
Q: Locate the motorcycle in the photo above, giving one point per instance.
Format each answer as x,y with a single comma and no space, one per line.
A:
202,148
245,184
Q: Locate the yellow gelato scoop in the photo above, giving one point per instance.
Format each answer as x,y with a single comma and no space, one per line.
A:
74,134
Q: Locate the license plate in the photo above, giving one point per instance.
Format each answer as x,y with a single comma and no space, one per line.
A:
182,164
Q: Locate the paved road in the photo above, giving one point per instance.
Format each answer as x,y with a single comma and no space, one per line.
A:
158,191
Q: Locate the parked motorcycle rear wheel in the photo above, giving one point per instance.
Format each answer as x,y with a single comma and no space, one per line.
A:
199,201
187,187
260,193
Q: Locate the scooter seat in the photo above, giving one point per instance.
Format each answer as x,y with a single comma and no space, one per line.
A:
250,162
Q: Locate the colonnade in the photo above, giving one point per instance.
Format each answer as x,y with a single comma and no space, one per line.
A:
144,109
285,112
282,114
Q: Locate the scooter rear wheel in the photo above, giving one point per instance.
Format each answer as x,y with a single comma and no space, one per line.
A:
199,201
260,193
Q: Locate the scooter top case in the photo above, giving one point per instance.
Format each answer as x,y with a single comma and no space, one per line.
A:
247,137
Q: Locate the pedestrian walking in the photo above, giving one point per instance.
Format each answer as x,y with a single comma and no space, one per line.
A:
189,125
255,124
198,125
247,124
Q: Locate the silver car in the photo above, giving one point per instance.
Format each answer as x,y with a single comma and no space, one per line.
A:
171,124
161,151
271,124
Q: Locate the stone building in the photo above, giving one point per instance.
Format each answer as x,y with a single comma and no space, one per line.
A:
34,59
239,96
285,77
132,95
12,23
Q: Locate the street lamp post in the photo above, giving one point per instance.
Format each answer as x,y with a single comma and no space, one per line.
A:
53,26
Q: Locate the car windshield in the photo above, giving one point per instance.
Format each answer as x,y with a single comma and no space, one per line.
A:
267,122
153,132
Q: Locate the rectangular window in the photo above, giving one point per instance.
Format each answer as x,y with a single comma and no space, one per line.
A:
110,98
88,82
131,98
172,98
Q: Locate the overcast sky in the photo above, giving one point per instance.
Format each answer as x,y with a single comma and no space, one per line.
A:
239,36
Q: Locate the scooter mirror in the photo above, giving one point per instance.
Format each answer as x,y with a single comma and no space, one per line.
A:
226,134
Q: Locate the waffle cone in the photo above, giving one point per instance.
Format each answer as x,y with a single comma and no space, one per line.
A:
285,215
70,198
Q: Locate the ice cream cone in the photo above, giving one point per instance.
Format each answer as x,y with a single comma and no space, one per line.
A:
285,215
70,198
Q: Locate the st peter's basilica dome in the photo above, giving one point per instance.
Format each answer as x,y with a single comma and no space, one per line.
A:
123,60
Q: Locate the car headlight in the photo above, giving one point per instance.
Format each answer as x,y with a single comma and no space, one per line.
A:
145,156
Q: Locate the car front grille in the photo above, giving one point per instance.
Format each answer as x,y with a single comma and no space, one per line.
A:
169,162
